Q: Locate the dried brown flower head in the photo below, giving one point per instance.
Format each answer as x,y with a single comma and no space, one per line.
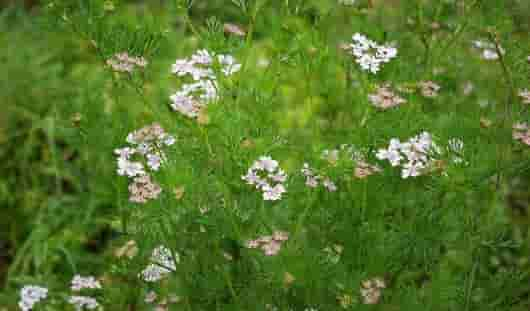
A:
142,189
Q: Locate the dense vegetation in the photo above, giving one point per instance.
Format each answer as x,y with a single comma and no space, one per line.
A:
341,216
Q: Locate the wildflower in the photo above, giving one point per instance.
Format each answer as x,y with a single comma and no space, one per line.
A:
429,89
30,295
371,290
266,175
83,302
270,245
142,189
328,184
521,132
385,98
419,154
80,282
122,62
193,97
273,193
234,30
163,262
370,55
525,96
130,168
488,49
392,153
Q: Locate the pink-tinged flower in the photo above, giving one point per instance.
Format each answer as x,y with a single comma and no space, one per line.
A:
142,189
371,290
273,193
384,98
270,245
122,62
278,176
267,163
272,248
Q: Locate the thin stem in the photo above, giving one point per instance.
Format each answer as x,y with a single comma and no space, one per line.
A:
506,116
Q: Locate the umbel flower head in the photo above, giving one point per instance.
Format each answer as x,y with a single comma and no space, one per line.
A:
419,155
370,55
163,262
266,175
384,98
371,290
145,153
192,97
31,295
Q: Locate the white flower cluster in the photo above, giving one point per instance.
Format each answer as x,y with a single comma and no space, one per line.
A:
370,55
30,295
414,155
420,154
192,97
266,175
488,49
83,303
312,179
88,282
147,144
162,263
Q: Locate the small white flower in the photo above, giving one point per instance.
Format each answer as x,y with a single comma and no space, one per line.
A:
83,302
154,161
328,184
80,282
130,168
267,163
273,193
411,169
30,295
